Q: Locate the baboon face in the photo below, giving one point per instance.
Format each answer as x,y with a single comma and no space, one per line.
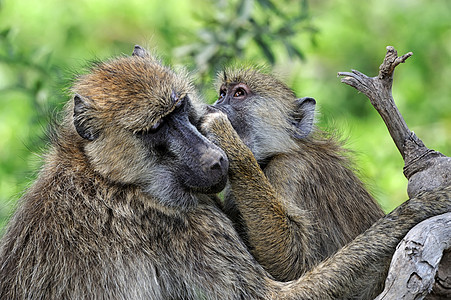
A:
265,113
138,124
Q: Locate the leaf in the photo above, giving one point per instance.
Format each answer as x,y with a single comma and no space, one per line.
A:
266,49
267,4
4,33
270,7
244,9
243,39
293,51
206,35
203,57
186,50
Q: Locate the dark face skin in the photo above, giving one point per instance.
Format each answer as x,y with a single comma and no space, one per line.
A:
139,127
175,141
266,120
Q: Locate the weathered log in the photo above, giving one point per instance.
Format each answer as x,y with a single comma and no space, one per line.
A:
414,265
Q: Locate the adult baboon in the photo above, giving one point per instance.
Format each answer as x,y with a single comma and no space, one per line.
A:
120,211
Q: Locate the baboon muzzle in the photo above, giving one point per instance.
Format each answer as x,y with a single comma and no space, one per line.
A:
214,163
205,165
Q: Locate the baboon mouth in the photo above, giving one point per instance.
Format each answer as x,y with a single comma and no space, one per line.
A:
213,189
207,184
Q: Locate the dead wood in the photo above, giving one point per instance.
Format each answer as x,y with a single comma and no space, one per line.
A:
414,266
425,169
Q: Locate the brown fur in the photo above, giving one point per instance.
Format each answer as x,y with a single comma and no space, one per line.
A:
119,210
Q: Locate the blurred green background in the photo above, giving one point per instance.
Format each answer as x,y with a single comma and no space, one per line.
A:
43,43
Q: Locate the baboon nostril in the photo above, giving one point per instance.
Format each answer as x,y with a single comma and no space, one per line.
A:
222,163
217,166
214,163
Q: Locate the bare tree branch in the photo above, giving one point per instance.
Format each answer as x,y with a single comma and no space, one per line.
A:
426,169
415,263
379,91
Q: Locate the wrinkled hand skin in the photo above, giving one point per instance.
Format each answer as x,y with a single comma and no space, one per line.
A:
217,128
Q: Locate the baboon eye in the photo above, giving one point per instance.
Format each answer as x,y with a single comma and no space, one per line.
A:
222,94
240,92
154,128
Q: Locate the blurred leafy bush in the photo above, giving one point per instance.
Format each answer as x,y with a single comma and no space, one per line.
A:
235,28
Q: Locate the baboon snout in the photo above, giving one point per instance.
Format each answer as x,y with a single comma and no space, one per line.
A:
214,163
211,177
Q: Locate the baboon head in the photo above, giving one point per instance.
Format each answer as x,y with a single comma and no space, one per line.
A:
264,111
137,123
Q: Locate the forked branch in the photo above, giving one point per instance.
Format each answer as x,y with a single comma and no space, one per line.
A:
412,273
379,91
426,169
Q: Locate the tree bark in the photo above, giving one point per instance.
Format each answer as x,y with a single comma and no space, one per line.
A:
413,273
414,265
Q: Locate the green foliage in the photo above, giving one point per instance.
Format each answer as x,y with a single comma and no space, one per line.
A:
235,28
353,35
26,89
42,42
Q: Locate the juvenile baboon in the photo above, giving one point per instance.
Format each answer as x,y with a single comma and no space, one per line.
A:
120,208
317,203
358,268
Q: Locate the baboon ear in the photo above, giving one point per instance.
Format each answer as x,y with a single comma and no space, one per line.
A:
82,120
140,52
303,117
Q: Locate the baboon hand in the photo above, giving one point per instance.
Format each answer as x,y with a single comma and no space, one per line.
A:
217,128
214,125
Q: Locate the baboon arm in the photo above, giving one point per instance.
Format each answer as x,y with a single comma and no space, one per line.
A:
275,237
